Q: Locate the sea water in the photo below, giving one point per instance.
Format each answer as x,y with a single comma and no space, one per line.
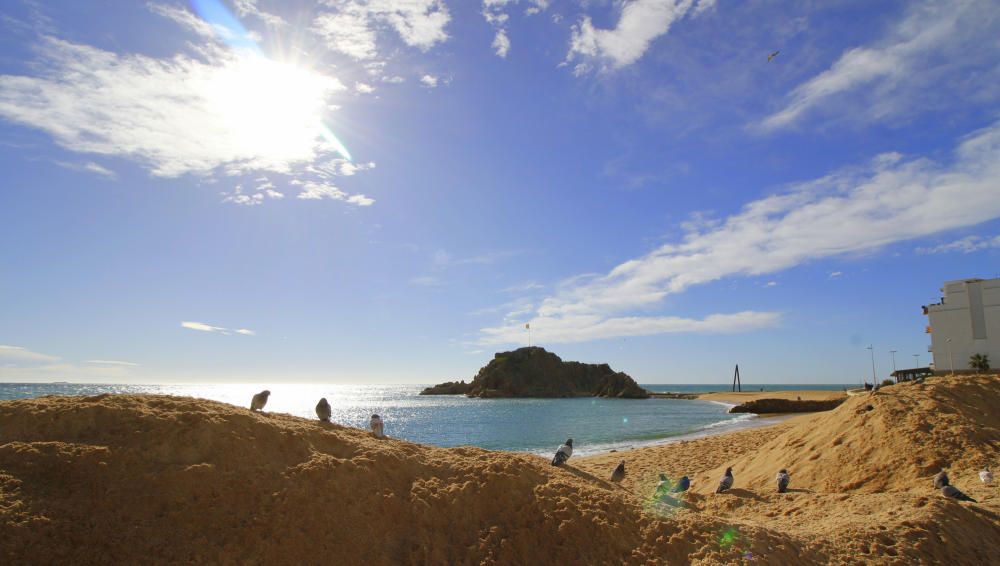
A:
528,425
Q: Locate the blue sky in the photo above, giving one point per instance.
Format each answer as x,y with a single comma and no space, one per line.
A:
377,191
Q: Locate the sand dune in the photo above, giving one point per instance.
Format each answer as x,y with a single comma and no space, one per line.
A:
154,479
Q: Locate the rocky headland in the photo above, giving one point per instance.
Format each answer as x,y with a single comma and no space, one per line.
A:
535,372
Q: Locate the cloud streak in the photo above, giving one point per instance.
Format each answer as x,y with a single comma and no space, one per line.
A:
929,53
640,23
891,199
203,327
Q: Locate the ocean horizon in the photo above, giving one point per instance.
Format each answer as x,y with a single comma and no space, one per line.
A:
535,425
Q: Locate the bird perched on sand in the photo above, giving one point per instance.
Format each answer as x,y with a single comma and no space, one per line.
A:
377,426
986,475
726,482
619,473
782,478
259,400
953,492
323,410
563,453
772,56
940,480
682,485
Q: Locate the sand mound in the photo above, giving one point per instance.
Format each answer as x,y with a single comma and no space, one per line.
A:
139,479
861,488
154,479
894,440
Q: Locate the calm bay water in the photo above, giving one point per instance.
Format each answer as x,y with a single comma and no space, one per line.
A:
530,425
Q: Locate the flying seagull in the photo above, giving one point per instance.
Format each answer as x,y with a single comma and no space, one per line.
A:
563,453
986,475
782,478
772,56
619,473
726,482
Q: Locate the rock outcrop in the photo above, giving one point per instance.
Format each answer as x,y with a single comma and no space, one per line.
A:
535,372
448,388
770,406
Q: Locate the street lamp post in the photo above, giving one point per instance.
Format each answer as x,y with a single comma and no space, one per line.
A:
893,354
872,350
916,360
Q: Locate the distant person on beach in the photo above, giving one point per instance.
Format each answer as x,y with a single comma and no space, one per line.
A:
259,400
377,426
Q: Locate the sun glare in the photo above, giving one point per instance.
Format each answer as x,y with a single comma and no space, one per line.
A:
273,109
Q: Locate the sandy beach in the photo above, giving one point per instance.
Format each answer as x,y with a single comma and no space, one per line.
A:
158,479
735,398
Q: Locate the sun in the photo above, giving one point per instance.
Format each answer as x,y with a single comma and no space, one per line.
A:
273,110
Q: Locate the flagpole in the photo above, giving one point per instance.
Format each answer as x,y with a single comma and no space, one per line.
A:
527,326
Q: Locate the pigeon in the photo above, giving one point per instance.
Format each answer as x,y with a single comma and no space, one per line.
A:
619,473
259,400
952,492
940,480
563,453
323,410
682,485
377,426
986,475
772,56
782,478
726,482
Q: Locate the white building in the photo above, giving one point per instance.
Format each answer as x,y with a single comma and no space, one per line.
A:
965,322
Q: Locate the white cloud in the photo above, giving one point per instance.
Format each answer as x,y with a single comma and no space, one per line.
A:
186,19
965,245
249,7
88,166
858,209
202,327
771,284
318,190
352,27
835,274
112,363
245,332
494,11
640,23
348,33
264,189
176,115
937,48
395,79
429,81
501,43
583,328
20,354
364,88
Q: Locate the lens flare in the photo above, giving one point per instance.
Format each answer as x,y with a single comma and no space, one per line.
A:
664,501
274,107
729,537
